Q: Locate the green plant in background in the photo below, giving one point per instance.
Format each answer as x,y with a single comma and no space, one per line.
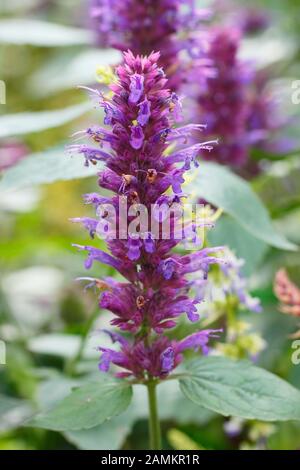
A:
45,325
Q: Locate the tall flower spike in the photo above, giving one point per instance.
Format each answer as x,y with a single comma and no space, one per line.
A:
144,26
222,103
235,103
156,291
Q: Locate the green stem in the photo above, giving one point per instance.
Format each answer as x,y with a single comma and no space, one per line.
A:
72,363
154,425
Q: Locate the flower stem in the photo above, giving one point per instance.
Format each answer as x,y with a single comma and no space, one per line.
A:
70,366
154,425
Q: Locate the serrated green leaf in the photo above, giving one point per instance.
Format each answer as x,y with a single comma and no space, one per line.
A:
27,123
238,388
220,187
112,434
44,168
42,33
107,436
87,406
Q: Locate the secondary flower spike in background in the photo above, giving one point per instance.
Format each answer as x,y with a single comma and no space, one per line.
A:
140,115
144,26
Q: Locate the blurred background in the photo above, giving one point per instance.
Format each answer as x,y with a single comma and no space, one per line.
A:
48,324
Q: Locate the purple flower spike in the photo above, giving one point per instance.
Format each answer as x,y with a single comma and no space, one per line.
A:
144,26
234,101
155,292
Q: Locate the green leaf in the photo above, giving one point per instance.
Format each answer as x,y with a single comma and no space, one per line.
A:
79,69
228,232
112,434
13,412
108,436
279,188
47,167
238,388
220,187
26,123
41,33
87,406
54,389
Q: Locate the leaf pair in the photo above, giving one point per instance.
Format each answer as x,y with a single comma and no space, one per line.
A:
231,388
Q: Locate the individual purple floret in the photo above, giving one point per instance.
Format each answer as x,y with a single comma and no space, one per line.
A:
157,282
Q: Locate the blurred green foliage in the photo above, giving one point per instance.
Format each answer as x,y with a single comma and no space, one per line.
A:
46,319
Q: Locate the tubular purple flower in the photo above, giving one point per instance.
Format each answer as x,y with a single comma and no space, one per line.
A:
144,113
137,137
157,289
136,88
158,360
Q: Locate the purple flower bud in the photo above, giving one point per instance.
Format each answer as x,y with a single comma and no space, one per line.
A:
177,181
144,113
136,88
167,268
137,137
149,243
134,248
167,360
